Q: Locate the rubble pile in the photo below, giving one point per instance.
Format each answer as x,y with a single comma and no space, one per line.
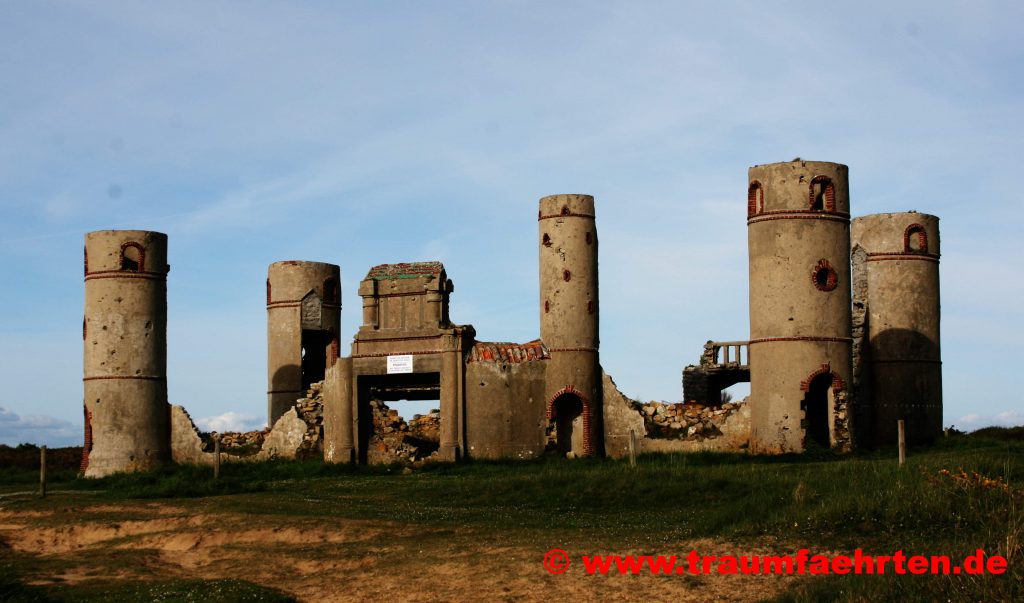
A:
684,421
395,441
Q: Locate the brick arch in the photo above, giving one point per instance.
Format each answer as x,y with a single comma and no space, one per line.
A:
830,193
922,238
569,389
142,255
755,198
838,384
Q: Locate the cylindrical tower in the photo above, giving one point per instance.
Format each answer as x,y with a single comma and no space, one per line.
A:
127,418
896,266
569,321
798,218
303,327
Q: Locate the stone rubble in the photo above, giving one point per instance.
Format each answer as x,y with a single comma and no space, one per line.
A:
685,421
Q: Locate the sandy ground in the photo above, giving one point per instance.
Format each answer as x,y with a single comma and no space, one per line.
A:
334,559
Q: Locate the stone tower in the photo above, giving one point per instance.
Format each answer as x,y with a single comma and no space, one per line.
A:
127,418
798,218
569,321
303,326
896,293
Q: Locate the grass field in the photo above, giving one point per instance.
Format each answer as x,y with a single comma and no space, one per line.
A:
478,531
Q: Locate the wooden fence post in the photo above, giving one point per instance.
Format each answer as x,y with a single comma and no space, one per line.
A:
903,441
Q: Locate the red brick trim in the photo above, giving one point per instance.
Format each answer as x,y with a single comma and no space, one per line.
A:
333,354
831,278
295,304
838,384
384,354
149,276
118,377
798,214
87,444
755,198
881,257
922,238
830,193
588,447
802,338
142,255
569,215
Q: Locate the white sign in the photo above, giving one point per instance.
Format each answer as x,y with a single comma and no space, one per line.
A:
400,364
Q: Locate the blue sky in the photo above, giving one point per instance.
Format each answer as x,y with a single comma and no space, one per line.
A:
361,133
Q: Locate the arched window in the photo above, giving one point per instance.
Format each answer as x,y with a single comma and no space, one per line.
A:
755,198
331,291
915,239
565,210
133,257
823,194
546,240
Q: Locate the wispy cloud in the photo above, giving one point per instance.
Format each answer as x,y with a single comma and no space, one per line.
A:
37,429
231,421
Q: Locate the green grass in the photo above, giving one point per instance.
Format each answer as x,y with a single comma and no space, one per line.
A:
820,501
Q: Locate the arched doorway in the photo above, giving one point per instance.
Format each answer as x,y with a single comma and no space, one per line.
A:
567,416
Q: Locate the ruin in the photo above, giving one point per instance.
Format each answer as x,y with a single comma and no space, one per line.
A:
843,342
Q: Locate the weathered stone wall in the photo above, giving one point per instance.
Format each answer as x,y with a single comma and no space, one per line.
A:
621,418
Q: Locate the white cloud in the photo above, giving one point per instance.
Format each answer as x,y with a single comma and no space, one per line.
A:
1007,418
231,421
37,429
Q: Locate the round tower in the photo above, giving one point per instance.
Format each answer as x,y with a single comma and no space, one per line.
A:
127,418
896,274
569,322
303,326
798,219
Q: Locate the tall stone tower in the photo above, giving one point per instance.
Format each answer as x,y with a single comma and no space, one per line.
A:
303,326
569,321
896,290
798,218
127,418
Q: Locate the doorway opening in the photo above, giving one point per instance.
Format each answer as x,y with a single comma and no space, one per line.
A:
816,404
565,431
316,345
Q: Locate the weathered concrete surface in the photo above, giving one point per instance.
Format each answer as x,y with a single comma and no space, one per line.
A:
620,418
505,413
569,312
898,289
303,311
124,334
799,249
186,443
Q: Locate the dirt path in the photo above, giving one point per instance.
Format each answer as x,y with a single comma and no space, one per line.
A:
337,559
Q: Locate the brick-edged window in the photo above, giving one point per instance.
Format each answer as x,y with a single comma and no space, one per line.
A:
546,240
565,210
566,276
755,198
133,257
331,291
824,276
915,239
822,194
